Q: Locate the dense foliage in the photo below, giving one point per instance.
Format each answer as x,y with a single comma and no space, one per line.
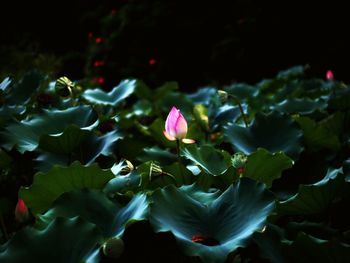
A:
96,180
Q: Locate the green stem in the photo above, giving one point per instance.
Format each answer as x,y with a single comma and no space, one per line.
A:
240,109
178,149
179,161
3,228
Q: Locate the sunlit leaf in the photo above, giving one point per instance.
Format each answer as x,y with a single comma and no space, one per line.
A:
20,92
307,249
47,187
211,226
314,198
54,243
25,134
275,132
213,161
300,106
324,134
266,167
114,97
94,206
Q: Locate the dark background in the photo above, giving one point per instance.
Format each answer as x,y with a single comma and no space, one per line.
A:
196,43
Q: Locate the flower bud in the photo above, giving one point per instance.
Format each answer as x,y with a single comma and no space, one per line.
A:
176,126
21,211
329,75
114,247
223,95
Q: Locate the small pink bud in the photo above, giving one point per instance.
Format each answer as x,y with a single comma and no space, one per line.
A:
329,75
98,40
21,211
152,61
176,126
99,63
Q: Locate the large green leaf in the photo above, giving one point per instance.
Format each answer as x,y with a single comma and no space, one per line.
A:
75,144
180,172
154,176
63,240
310,249
63,143
292,73
340,100
139,143
322,230
176,99
9,112
314,198
205,96
266,167
324,134
200,113
269,243
212,161
157,154
123,183
275,132
211,226
195,192
25,134
91,205
156,131
302,106
95,207
20,92
223,115
47,187
114,97
242,91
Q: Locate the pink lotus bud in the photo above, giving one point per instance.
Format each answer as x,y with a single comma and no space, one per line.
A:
152,61
329,75
21,211
176,126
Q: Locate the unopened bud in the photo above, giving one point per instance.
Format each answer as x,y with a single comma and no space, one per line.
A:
223,95
21,211
329,75
114,247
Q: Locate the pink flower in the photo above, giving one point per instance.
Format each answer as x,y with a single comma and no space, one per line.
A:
21,211
329,75
176,126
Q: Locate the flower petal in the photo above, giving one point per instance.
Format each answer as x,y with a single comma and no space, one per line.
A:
171,120
180,127
170,138
188,141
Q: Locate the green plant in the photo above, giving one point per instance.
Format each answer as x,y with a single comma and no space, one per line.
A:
267,179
